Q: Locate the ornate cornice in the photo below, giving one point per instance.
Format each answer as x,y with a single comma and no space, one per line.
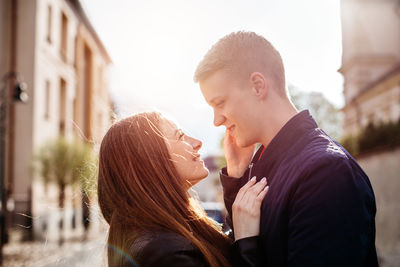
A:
386,77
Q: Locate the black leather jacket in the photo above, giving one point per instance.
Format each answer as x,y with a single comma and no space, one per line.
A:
168,249
163,249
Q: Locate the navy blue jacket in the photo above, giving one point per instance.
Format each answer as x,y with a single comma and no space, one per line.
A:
320,208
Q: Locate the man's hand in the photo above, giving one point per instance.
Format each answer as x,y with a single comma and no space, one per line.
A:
237,158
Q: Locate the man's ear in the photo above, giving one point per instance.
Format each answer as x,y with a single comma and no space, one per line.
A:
259,84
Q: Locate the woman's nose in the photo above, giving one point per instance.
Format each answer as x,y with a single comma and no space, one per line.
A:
196,144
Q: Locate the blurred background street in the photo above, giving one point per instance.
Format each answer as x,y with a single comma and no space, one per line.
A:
72,253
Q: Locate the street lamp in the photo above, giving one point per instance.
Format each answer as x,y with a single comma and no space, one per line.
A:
19,94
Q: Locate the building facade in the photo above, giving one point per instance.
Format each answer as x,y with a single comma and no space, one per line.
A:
371,71
370,62
53,48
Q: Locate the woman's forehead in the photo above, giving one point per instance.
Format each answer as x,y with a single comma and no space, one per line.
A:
168,126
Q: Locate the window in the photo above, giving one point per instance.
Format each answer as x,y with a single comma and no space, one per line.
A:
76,52
47,101
87,75
99,122
64,36
75,115
63,103
49,15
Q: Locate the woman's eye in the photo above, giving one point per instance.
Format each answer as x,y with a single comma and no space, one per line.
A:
219,104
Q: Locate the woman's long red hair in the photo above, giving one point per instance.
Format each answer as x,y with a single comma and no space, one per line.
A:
140,190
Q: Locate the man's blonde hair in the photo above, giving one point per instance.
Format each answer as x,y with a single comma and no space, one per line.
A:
242,53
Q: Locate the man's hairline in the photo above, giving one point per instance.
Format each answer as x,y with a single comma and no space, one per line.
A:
230,72
211,73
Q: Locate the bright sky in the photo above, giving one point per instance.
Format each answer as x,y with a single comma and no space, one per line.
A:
156,46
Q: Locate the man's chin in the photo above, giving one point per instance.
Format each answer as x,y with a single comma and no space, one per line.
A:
244,143
241,144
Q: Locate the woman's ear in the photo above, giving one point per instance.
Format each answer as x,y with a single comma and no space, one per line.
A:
259,84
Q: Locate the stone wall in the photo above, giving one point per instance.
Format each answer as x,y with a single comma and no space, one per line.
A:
383,169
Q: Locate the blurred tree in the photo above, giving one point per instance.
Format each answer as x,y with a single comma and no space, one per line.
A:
327,116
66,163
85,167
85,171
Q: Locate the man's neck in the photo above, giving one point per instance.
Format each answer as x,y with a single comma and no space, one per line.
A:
282,114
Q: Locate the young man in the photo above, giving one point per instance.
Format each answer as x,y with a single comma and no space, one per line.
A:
320,208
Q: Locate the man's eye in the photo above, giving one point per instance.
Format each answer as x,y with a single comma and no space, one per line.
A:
181,135
219,104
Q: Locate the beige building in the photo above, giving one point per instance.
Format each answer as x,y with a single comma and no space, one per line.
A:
370,62
371,70
55,50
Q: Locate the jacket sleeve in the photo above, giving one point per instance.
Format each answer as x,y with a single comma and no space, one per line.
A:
331,217
231,187
246,252
169,250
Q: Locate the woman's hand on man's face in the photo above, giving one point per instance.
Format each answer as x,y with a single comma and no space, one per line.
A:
246,210
237,158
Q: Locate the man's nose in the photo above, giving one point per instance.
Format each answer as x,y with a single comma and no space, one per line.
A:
218,119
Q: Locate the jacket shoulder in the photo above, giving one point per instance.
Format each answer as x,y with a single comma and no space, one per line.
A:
161,248
168,242
324,152
324,145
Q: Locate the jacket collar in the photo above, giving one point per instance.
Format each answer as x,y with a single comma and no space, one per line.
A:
284,142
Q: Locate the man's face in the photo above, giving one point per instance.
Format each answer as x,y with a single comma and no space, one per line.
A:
233,105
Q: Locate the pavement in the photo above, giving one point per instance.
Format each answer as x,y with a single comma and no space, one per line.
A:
73,253
91,252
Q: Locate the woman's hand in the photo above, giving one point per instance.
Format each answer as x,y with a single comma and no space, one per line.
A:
246,210
237,158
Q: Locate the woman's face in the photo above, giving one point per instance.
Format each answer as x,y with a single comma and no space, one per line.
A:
183,150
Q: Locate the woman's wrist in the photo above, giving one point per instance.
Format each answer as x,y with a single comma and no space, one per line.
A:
245,235
234,171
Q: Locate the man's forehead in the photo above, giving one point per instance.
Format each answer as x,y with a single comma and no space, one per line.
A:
219,76
213,87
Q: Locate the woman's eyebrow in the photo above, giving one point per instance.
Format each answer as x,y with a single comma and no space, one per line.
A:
178,131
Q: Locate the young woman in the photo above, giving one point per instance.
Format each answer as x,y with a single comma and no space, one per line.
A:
146,167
